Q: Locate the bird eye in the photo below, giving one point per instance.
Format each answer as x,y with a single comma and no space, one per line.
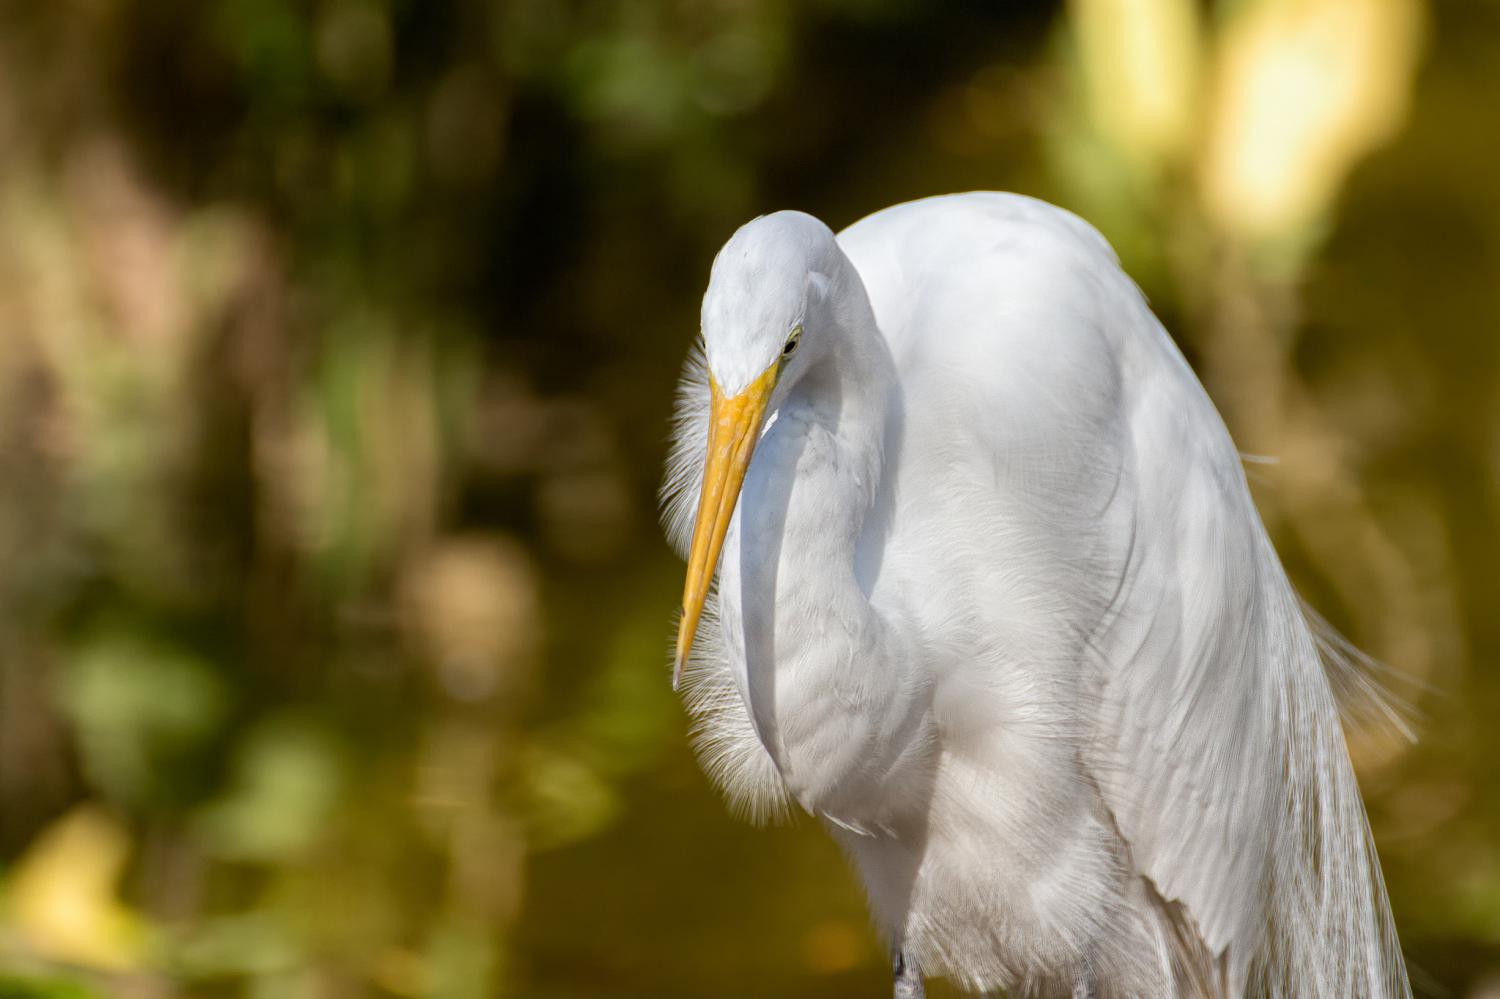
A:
792,341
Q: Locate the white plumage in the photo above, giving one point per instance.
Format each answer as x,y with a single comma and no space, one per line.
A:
995,604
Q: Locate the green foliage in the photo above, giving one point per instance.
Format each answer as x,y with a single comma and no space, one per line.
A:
285,786
17,987
141,709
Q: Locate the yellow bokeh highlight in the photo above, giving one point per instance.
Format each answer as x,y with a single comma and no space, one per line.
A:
1305,88
62,897
1140,60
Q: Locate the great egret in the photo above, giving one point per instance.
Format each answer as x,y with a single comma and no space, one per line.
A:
995,606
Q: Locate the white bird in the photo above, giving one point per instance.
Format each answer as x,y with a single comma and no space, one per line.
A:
995,605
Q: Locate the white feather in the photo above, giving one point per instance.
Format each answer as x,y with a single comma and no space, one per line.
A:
684,473
996,605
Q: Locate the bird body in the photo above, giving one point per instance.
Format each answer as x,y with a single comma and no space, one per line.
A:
995,604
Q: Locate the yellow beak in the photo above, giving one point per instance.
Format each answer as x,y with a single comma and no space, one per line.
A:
733,429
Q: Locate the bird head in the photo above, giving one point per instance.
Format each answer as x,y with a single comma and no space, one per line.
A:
767,301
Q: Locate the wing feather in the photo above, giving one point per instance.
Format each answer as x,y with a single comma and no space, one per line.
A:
1219,749
1207,719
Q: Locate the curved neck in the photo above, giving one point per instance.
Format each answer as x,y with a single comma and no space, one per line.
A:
800,628
813,478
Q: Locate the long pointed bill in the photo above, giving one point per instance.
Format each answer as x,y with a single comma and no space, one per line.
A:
733,429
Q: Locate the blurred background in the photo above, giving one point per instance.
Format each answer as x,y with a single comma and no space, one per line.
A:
337,346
